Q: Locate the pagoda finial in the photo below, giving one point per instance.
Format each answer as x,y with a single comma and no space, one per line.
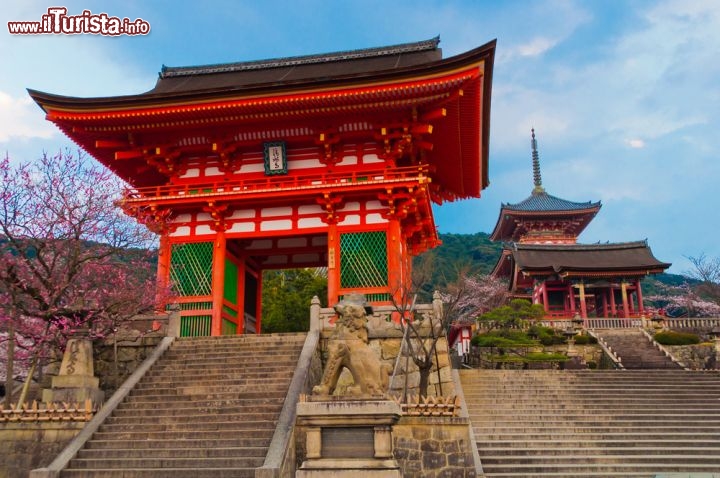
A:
537,179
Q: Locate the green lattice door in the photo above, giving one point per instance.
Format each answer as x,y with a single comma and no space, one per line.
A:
191,278
364,264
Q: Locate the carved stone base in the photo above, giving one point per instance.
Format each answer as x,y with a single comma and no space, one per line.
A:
348,438
76,381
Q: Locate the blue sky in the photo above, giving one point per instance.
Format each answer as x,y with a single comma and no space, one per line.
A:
624,95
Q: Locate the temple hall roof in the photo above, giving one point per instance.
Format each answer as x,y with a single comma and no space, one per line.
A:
579,259
292,69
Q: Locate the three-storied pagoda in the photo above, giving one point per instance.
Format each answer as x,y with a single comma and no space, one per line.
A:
543,261
326,160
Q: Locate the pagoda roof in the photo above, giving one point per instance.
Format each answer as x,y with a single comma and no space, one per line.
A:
543,202
581,260
193,110
541,206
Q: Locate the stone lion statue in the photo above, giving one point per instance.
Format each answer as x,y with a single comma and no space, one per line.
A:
348,348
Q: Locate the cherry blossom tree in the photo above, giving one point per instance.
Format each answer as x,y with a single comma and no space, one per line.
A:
70,260
463,301
683,300
706,270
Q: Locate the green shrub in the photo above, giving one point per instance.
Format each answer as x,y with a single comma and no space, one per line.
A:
676,338
585,340
502,338
546,335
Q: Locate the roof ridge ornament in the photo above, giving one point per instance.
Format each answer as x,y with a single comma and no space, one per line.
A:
175,71
537,178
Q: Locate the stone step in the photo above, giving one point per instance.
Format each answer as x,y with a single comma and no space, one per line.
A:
595,437
624,446
210,405
218,366
582,470
231,374
186,434
587,474
563,421
200,451
198,417
575,408
169,443
599,427
181,425
230,395
623,449
180,408
160,473
209,389
157,462
591,460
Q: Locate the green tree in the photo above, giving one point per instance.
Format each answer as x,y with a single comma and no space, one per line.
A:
511,316
286,298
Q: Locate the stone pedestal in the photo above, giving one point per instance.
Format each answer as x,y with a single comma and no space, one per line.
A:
348,438
76,381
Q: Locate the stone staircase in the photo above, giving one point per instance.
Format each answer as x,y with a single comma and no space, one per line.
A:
635,350
208,408
592,424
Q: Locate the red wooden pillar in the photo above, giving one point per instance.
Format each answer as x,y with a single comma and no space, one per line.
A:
546,302
241,296
571,296
218,283
623,291
395,260
163,272
613,307
333,265
583,304
258,301
605,301
641,309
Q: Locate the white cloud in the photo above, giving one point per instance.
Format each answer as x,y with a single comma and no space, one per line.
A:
20,118
536,46
635,143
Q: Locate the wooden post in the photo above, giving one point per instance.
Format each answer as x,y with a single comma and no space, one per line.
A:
641,309
571,294
241,296
218,283
333,264
583,305
258,302
613,307
546,303
605,301
394,260
623,291
163,272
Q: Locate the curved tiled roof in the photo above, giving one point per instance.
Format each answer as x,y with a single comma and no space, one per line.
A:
426,45
542,201
587,257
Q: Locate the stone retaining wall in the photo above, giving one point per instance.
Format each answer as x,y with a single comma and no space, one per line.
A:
25,446
434,447
695,357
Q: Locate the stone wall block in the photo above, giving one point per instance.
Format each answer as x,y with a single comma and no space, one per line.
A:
434,461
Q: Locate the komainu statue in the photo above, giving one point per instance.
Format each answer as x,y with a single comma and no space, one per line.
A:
348,348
